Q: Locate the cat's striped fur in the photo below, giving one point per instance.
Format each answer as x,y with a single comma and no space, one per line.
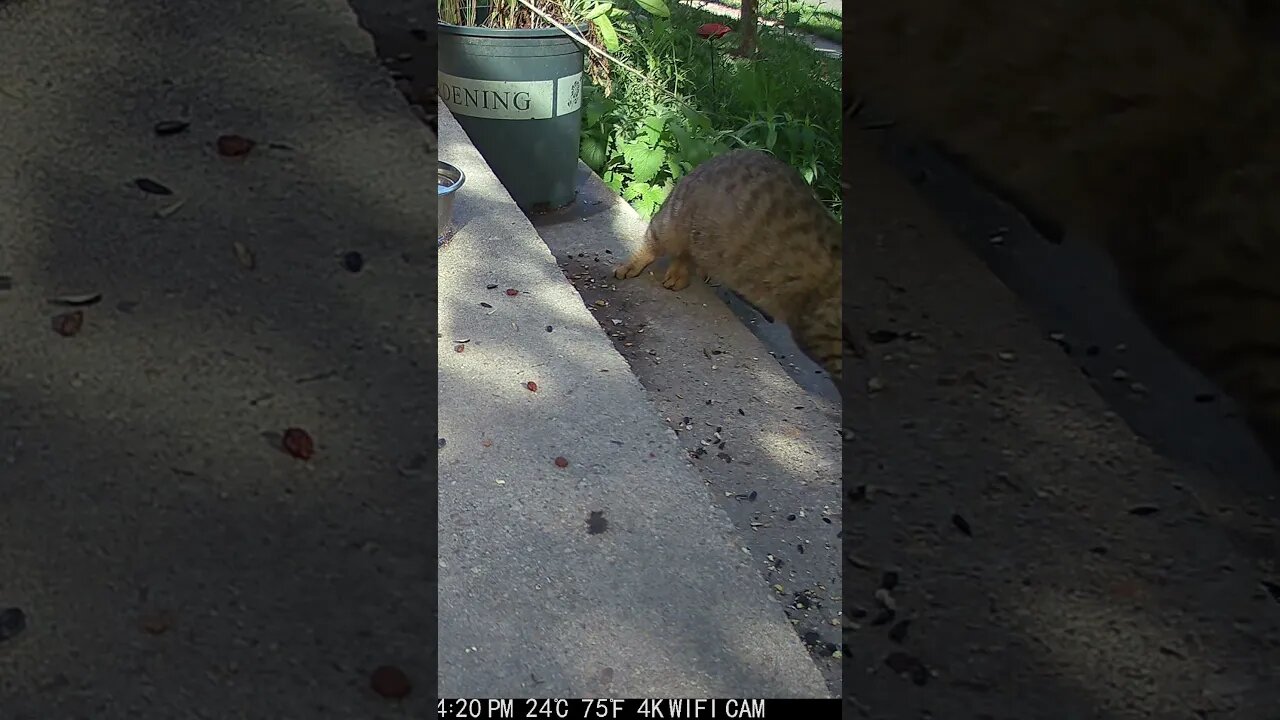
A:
749,221
1150,125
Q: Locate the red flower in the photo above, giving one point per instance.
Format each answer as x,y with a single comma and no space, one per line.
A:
712,31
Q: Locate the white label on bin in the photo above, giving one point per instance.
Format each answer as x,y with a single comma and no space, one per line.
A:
508,99
568,94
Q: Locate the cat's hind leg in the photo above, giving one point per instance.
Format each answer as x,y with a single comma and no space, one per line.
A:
640,259
678,272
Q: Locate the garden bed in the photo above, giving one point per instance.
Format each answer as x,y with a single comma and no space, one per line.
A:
700,99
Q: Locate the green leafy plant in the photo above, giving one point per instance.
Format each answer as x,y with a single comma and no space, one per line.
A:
696,100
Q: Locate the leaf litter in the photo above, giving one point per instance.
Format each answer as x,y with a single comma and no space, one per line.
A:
244,255
170,209
81,300
234,145
298,443
68,324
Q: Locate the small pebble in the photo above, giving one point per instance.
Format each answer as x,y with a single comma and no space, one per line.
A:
596,522
390,682
171,127
157,624
898,633
12,622
414,465
353,261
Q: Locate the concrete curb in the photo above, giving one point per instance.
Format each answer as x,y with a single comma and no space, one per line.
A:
663,602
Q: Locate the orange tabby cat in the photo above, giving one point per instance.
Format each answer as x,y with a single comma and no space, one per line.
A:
1150,125
750,220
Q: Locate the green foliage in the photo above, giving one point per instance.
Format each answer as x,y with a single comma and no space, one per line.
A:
642,137
800,16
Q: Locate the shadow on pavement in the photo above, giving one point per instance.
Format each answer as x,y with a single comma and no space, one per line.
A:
171,559
1051,564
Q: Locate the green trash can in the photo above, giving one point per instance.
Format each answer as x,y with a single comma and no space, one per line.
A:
518,94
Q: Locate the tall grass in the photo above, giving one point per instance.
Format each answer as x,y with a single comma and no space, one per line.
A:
507,14
512,14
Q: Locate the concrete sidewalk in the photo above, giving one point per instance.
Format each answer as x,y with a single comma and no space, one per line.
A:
766,446
170,560
614,575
